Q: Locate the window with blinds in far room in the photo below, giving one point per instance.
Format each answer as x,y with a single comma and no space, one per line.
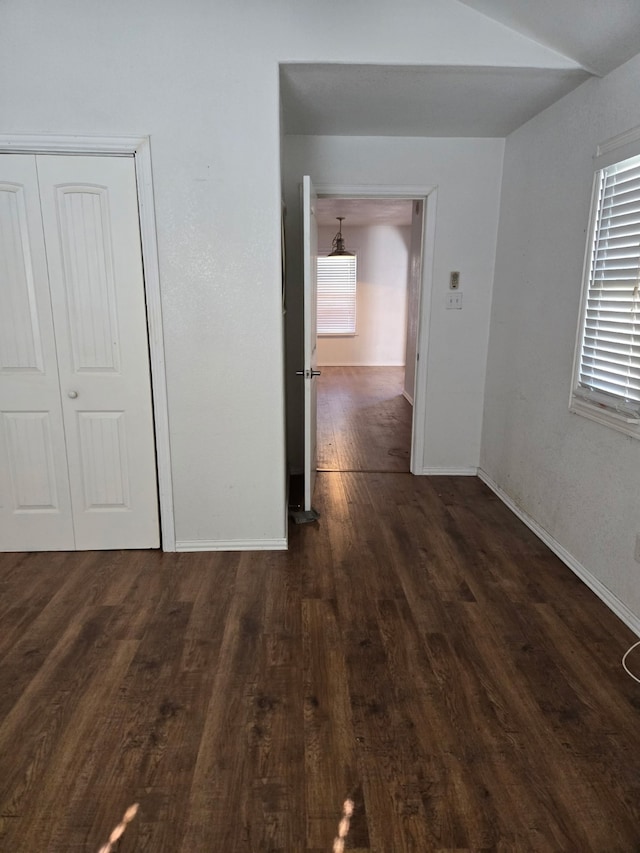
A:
607,368
337,295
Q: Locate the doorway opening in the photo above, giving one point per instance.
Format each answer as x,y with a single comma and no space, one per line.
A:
302,329
367,385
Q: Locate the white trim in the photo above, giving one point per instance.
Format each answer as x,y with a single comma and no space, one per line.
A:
607,417
615,143
137,147
604,594
429,195
429,209
231,545
149,245
407,397
31,143
449,472
411,191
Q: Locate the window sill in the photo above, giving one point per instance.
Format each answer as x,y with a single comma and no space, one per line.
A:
337,334
608,417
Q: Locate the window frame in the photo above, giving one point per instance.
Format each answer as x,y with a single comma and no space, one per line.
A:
602,408
322,255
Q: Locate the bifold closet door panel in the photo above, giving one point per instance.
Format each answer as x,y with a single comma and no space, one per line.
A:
91,229
35,509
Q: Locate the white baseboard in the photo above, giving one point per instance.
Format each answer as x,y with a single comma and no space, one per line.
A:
232,545
604,594
408,398
449,472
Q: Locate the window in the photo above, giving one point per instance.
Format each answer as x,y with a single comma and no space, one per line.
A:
607,366
337,295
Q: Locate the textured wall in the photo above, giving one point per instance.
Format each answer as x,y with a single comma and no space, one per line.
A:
579,480
201,78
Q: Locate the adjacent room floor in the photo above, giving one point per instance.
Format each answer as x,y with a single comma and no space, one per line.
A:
418,649
364,422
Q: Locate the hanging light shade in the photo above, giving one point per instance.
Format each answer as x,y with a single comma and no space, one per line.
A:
337,246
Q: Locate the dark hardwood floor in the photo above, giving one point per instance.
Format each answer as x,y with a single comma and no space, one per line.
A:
417,649
364,422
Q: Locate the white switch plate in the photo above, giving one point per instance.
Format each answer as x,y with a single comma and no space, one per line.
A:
454,300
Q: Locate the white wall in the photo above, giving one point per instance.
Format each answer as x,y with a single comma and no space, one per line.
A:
578,480
381,297
467,174
201,79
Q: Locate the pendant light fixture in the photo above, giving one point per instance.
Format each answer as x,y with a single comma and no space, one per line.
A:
337,246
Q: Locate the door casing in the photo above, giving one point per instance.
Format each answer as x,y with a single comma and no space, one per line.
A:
139,148
429,196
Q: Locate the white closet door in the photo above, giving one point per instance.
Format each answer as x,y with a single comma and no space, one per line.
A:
90,217
35,510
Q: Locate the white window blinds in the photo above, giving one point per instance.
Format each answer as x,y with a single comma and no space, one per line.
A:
336,295
609,358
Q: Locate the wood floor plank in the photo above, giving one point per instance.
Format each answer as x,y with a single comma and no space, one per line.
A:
329,751
66,809
417,650
220,788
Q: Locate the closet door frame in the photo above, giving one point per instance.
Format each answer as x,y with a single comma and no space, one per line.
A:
139,148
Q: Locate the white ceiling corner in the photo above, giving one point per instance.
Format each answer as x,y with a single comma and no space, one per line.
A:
575,39
598,34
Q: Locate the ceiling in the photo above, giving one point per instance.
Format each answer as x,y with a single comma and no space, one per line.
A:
598,34
595,36
375,100
363,211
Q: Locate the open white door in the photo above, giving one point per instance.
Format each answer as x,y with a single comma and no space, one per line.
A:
310,254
